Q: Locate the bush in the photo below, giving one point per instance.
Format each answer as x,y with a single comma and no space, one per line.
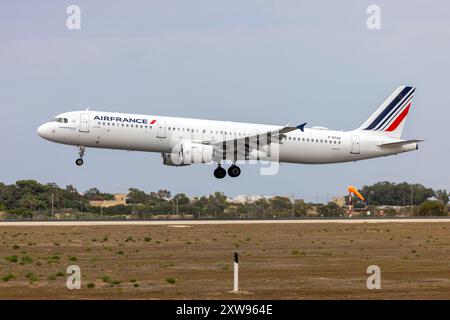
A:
7,277
12,258
432,208
171,280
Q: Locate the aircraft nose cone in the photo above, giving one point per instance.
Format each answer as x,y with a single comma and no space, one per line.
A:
43,131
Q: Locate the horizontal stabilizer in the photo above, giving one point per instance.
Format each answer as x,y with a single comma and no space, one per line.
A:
397,143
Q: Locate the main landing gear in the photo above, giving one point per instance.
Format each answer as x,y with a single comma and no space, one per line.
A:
233,171
220,172
79,161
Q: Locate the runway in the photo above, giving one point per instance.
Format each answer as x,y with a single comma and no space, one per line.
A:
217,222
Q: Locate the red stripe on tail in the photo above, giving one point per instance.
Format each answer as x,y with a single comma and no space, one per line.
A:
399,119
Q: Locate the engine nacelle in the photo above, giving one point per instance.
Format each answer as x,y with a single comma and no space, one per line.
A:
187,153
168,161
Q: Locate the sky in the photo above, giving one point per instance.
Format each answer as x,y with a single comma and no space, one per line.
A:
260,61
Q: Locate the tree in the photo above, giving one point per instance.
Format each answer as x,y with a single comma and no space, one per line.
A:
280,206
163,194
216,203
389,193
432,208
71,189
136,196
442,195
182,199
331,210
300,208
95,194
29,201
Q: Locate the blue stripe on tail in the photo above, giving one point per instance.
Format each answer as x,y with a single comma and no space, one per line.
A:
389,108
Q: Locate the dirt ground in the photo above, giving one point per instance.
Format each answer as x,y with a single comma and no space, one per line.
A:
277,261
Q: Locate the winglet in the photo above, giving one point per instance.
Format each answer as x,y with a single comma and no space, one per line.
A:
302,127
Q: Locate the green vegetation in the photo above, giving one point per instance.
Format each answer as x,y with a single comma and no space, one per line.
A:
30,276
31,199
111,281
26,260
392,194
7,277
13,259
432,208
171,280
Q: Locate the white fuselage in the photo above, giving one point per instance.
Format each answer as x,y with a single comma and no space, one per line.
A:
160,134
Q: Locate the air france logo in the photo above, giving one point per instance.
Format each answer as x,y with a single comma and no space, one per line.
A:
124,120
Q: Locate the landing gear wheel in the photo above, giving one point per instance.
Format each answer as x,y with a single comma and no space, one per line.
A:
234,171
220,172
81,150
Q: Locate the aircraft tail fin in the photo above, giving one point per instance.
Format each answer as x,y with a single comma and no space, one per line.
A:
390,117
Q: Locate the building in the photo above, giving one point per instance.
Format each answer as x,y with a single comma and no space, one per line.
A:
119,199
251,198
340,201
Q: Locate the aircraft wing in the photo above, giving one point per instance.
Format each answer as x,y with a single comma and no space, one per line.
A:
258,139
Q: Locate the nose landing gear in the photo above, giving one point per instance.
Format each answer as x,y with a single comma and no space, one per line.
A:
79,161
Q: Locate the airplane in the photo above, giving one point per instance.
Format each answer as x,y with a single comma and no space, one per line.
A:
186,141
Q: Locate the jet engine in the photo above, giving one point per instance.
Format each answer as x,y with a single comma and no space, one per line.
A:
187,153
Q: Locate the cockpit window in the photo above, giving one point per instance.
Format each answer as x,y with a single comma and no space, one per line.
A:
62,120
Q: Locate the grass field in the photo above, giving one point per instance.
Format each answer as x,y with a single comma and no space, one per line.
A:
277,261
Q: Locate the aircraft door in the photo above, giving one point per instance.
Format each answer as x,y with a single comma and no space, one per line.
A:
355,145
84,122
161,129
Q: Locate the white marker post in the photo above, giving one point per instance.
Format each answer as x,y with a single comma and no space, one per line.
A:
236,273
